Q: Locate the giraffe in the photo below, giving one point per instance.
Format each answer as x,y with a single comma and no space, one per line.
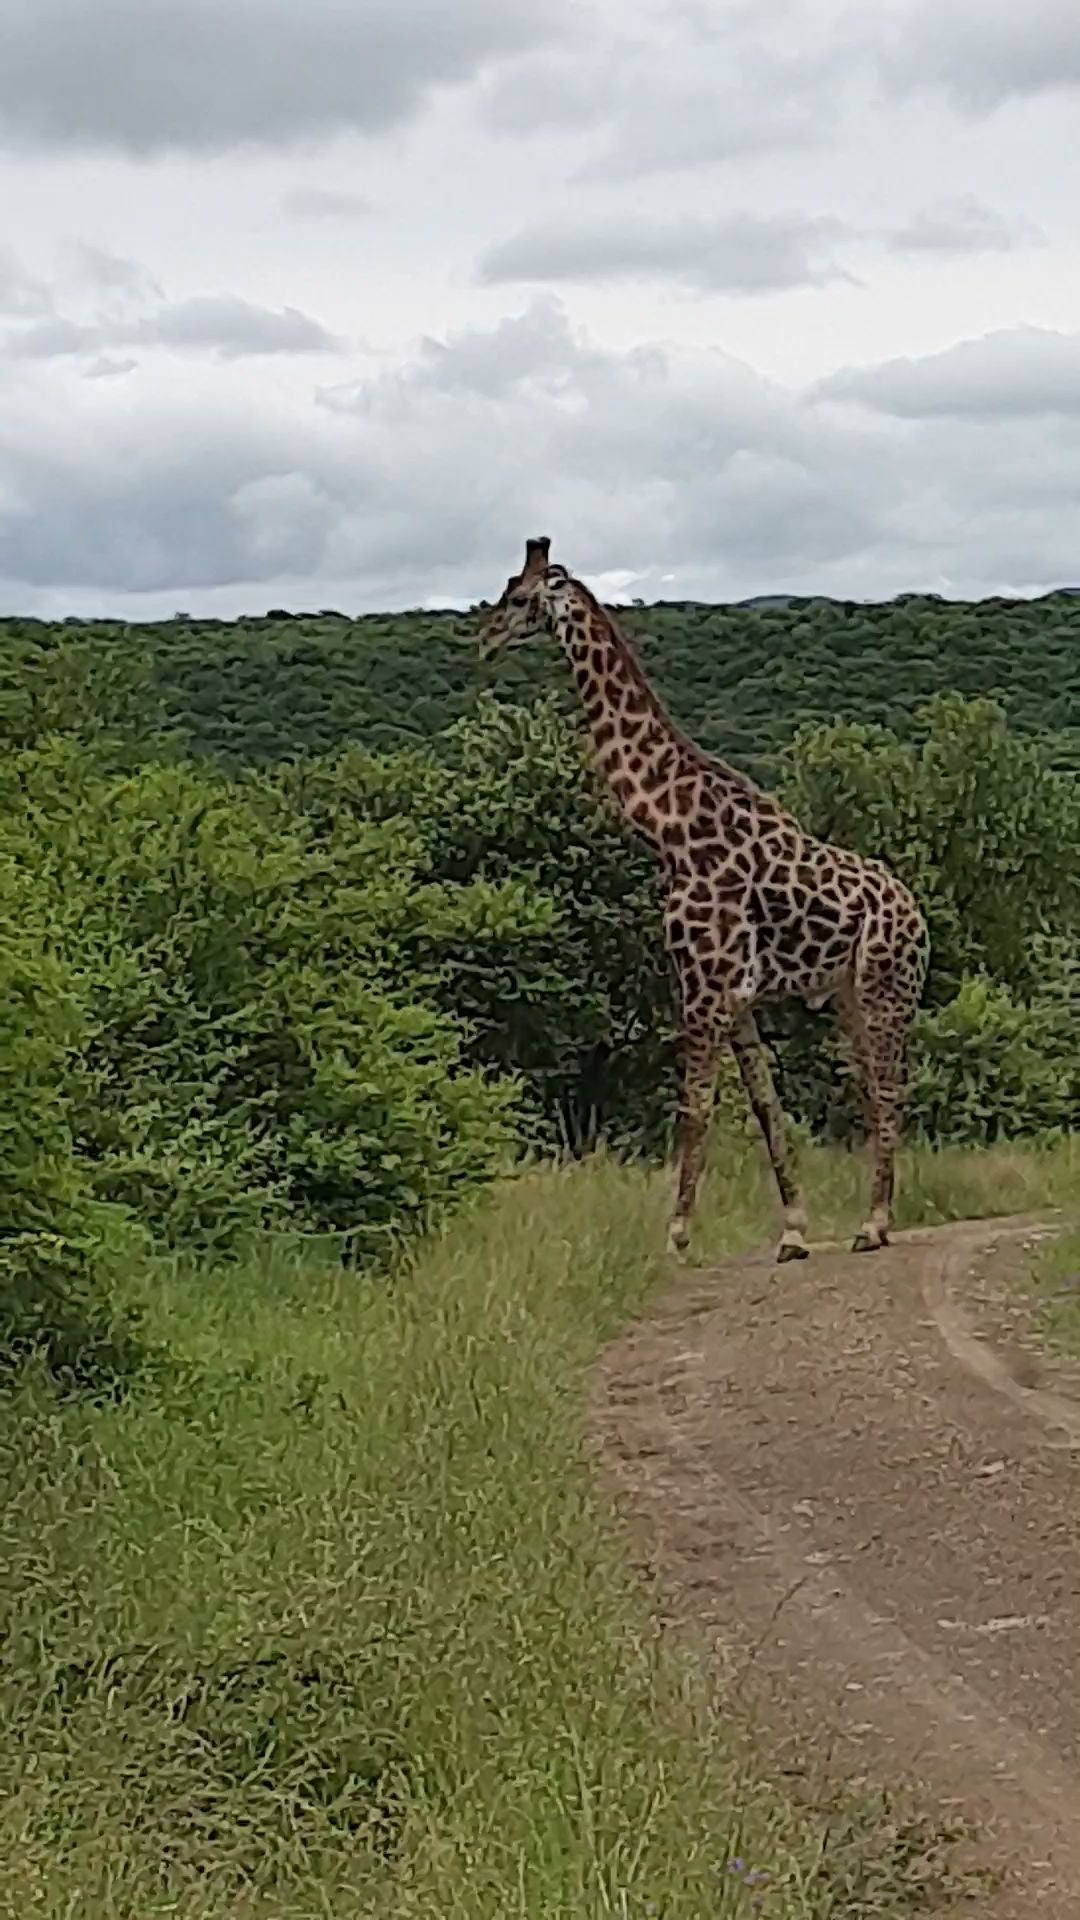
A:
755,908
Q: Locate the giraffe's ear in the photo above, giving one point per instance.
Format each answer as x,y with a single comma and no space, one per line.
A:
536,554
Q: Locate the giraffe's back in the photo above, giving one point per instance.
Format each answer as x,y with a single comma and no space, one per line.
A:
823,915
758,909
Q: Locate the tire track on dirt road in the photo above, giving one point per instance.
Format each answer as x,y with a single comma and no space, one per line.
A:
845,1489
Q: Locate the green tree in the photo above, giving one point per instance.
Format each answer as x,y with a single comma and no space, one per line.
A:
580,1006
972,815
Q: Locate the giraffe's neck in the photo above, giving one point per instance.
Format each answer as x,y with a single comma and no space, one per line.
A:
641,755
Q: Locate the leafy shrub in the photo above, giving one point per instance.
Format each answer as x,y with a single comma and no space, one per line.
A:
376,1125
991,1067
570,989
57,1242
254,1045
972,816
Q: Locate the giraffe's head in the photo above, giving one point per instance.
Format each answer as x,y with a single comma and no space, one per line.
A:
523,609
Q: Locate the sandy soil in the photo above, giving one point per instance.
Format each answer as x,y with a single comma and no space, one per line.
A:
859,1480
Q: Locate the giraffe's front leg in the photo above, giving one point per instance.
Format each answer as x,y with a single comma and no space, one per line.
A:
753,1065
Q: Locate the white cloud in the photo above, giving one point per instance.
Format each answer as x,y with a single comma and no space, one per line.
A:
652,466
20,294
110,276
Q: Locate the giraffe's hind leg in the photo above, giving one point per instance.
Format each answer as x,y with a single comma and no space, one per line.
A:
878,1020
753,1066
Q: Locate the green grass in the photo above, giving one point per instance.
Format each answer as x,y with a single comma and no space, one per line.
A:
934,1185
1057,1289
330,1620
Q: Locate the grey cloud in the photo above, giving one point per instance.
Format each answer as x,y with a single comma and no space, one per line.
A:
150,76
686,124
112,274
232,327
118,292
547,90
177,507
52,339
536,350
983,52
20,293
674,471
109,366
325,203
220,324
691,128
1018,372
960,226
741,253
684,97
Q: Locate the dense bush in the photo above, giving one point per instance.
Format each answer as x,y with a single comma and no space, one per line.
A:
218,1020
970,814
509,812
990,1067
57,1240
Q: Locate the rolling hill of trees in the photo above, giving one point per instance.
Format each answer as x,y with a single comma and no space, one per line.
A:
740,679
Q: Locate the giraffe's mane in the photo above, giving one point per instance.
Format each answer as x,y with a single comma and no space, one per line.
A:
656,704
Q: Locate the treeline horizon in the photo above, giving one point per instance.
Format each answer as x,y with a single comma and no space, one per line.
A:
741,678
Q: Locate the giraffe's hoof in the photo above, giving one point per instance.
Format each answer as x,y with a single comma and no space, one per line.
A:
867,1241
794,1249
678,1238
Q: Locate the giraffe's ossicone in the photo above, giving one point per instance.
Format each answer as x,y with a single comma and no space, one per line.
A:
756,909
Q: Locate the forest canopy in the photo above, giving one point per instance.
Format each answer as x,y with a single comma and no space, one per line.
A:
740,680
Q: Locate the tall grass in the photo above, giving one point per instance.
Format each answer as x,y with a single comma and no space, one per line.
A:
1057,1280
327,1619
934,1185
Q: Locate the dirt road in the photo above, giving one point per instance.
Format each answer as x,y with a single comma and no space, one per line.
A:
858,1482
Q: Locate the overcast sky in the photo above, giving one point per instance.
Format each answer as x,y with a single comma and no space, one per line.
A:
333,304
